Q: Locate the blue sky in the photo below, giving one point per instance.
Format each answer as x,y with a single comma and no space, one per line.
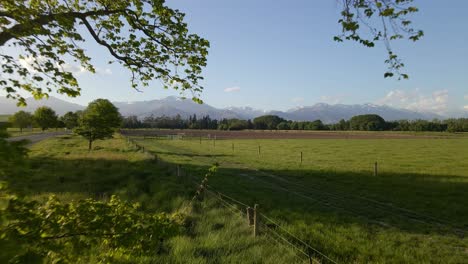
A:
280,55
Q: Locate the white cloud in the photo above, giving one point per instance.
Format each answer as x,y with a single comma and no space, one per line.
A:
466,96
465,107
232,89
105,71
332,99
436,102
75,69
297,99
29,63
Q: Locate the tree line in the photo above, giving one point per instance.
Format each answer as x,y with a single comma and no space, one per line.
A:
368,122
99,120
45,118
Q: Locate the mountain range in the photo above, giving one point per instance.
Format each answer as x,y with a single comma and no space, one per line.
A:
171,106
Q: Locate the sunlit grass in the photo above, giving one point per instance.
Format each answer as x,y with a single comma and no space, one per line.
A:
320,199
64,167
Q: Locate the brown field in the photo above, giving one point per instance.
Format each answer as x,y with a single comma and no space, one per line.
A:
283,134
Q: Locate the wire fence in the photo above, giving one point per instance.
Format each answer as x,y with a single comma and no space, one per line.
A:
280,234
268,225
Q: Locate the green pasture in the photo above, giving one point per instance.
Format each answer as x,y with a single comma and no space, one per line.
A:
4,118
413,211
62,166
15,132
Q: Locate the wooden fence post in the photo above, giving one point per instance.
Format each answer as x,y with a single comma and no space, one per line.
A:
255,216
250,216
259,150
178,170
375,168
201,194
311,261
301,157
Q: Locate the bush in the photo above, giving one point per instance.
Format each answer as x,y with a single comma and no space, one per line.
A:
56,231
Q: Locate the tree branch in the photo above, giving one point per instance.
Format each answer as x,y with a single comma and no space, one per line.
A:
127,60
29,27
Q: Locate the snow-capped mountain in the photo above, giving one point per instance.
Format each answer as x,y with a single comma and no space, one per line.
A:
171,106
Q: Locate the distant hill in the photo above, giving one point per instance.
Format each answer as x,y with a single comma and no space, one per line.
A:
333,113
8,106
171,106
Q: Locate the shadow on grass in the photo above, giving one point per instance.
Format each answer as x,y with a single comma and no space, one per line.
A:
322,207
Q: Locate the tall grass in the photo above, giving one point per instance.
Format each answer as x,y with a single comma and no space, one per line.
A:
64,167
414,211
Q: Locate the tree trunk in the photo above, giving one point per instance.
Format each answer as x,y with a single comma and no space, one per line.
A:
90,145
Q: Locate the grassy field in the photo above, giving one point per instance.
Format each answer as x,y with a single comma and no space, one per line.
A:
15,132
4,118
62,166
413,211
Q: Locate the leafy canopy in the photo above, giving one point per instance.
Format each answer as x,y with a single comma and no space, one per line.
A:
59,232
70,120
144,36
21,119
368,122
385,20
45,117
99,120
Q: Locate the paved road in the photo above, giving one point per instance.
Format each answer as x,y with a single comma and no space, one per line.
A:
34,138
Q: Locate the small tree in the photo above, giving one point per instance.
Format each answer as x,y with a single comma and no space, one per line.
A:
45,117
98,121
70,119
21,119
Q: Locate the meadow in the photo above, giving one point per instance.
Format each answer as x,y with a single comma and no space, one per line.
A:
413,211
63,167
4,118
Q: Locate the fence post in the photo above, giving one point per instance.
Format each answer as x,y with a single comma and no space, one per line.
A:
310,255
201,194
301,157
250,216
259,150
178,170
375,168
255,220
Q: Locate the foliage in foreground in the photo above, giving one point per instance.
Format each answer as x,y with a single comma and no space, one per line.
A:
57,231
210,234
146,37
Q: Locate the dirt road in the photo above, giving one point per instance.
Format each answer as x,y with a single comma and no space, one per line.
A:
34,138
